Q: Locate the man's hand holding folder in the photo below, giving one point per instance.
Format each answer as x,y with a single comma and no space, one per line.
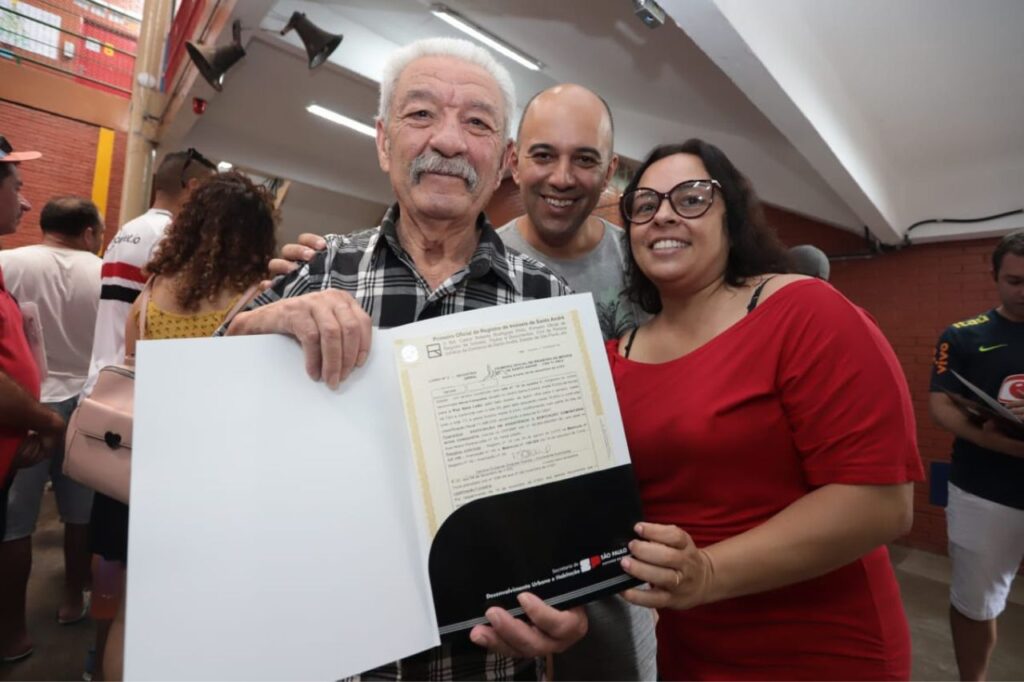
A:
990,413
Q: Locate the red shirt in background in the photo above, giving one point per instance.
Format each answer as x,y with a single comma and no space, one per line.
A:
17,362
802,392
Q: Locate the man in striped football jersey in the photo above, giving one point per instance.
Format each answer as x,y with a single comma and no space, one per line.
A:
131,248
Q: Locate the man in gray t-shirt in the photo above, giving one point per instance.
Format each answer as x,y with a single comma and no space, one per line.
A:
601,272
563,161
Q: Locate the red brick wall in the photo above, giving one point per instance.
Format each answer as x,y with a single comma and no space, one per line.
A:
66,168
914,294
796,229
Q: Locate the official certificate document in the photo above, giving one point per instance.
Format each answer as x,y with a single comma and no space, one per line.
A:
283,530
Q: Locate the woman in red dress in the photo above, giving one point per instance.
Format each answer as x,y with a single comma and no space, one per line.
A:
773,439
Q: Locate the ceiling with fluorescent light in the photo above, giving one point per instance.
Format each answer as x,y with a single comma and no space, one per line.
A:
868,113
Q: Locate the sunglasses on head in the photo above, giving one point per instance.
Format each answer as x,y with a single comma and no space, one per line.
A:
193,155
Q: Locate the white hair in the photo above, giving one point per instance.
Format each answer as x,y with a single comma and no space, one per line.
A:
446,47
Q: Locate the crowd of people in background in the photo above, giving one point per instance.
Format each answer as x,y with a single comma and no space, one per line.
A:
768,420
60,278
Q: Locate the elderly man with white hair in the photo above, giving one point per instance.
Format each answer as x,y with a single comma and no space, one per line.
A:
443,139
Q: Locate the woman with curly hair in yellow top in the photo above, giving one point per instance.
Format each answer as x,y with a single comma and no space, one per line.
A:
217,248
207,266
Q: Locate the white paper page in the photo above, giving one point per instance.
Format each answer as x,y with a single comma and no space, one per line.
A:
507,397
500,406
264,542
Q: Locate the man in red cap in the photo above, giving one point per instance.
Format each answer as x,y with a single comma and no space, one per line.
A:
12,204
28,430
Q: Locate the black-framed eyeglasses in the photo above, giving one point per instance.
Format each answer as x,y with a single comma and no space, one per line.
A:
193,155
689,199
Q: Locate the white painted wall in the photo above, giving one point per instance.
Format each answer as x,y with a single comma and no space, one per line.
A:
311,209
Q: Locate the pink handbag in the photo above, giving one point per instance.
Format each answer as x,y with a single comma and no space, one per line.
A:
98,445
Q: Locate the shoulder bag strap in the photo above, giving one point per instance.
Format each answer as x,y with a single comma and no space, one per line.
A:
134,333
246,296
144,305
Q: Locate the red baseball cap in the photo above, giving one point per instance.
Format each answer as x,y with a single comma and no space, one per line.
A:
8,155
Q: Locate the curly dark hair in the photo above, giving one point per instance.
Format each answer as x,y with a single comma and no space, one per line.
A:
754,248
223,238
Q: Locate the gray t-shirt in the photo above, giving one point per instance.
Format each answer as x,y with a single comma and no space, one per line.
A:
606,653
602,272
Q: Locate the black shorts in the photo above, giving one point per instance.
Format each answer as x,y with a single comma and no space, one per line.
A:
109,528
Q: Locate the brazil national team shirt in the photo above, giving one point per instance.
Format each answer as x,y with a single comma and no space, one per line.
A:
988,351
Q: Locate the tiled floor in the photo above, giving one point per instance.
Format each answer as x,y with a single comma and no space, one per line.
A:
60,650
924,578
924,582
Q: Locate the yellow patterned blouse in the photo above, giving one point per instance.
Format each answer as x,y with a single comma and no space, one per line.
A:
161,324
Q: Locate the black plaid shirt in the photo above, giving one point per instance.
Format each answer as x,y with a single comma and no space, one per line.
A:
373,267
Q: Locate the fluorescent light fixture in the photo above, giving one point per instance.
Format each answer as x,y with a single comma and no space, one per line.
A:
335,117
489,39
224,166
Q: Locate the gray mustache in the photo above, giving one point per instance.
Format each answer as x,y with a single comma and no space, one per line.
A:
432,162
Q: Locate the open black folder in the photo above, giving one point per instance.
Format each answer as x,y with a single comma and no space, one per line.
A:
523,475
283,530
562,541
986,408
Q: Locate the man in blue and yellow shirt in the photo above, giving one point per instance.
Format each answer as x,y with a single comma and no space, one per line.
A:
985,514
